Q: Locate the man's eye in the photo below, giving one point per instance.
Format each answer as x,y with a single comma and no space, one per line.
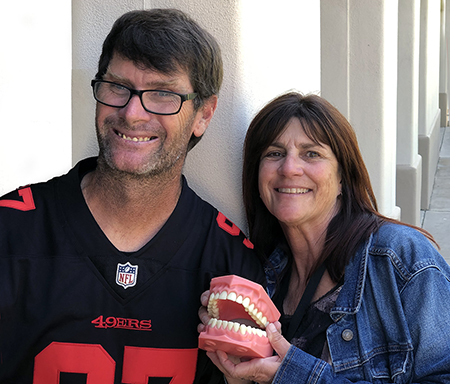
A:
164,94
117,88
162,97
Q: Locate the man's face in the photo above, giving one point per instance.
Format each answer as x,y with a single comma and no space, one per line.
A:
138,142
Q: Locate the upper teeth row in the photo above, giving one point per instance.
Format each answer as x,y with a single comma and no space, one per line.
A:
236,327
292,190
249,307
135,139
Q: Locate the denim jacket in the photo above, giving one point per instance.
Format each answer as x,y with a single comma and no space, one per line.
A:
391,319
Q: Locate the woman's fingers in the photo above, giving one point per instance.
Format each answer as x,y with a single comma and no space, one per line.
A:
276,339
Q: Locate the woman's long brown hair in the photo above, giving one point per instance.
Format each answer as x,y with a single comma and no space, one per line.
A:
358,216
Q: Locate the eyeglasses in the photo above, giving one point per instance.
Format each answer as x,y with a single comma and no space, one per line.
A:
152,100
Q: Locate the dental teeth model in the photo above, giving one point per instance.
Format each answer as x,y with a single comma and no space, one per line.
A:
240,311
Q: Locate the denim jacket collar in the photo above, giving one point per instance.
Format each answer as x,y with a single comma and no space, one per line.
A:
349,300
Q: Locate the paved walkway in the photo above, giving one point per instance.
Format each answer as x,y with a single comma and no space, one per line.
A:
436,220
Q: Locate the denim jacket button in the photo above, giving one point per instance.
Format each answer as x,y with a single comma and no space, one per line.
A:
347,334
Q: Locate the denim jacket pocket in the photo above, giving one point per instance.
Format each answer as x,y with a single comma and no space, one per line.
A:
378,367
392,365
357,356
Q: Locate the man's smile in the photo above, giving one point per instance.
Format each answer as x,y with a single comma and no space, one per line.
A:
135,138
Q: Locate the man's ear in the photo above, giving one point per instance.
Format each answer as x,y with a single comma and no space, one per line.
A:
204,115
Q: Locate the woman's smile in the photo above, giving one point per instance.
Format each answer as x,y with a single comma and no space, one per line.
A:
292,191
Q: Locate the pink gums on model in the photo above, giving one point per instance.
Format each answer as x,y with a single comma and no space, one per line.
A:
240,310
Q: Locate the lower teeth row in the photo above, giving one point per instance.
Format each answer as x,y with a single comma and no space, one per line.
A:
236,327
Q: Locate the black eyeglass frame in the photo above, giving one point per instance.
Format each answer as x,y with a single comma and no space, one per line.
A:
184,97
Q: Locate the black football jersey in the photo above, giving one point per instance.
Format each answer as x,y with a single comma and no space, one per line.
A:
74,309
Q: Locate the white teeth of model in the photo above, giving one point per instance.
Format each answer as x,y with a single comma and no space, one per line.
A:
249,307
232,296
236,327
223,295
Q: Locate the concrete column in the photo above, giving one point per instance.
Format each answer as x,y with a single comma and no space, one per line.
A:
445,46
366,33
429,112
409,162
335,55
443,90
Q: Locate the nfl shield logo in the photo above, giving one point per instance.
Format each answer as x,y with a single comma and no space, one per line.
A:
126,275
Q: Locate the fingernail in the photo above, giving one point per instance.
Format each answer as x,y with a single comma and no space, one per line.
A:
271,328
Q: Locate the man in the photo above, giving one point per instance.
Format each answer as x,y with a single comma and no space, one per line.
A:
101,270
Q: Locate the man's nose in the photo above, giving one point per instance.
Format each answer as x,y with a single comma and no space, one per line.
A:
134,110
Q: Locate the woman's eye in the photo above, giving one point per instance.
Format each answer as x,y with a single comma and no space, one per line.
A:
274,154
312,154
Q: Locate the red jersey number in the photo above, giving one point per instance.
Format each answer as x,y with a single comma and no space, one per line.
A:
138,364
27,203
231,228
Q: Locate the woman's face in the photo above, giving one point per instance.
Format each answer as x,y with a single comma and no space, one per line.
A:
299,180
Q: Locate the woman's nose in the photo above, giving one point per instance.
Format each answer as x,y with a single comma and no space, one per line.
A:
291,165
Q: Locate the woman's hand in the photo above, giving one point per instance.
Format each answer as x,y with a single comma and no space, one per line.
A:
260,370
202,312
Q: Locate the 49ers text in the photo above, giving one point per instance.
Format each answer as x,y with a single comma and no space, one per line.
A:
122,323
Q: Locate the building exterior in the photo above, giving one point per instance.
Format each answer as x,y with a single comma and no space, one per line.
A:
383,63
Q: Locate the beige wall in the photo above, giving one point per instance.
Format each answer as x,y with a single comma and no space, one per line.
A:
266,51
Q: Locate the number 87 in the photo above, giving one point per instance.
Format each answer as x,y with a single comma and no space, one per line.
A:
138,364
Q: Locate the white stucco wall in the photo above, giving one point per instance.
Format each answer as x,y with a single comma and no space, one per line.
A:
359,76
266,50
35,91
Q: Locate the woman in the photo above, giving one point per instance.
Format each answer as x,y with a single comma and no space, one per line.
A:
363,297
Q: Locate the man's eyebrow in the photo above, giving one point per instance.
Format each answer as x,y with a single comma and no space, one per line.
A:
151,85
